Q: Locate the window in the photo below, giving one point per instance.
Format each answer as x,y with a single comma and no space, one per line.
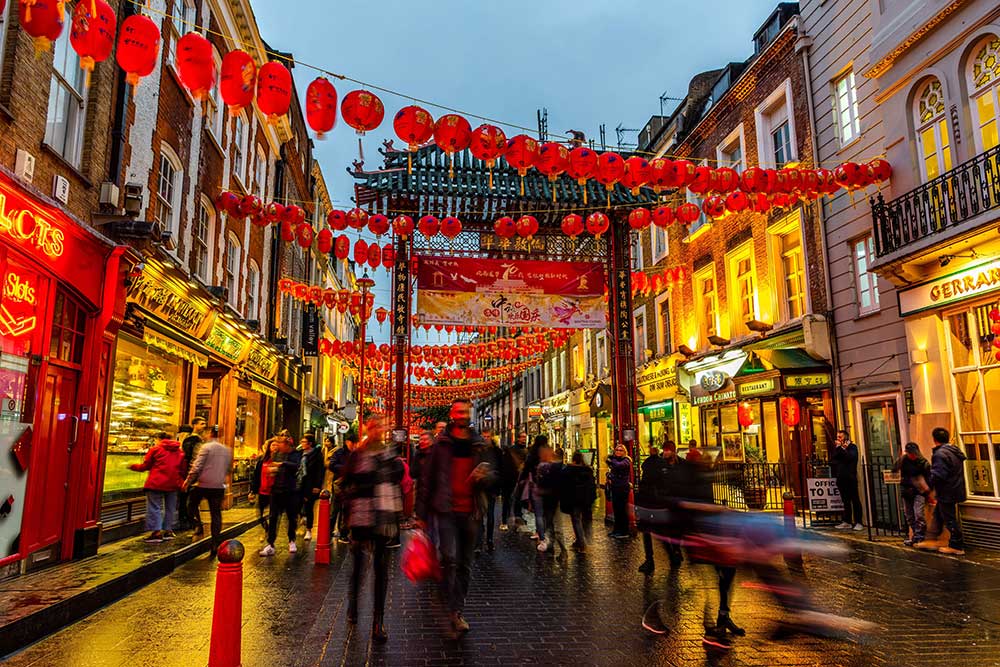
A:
577,360
637,251
179,23
693,199
742,289
201,240
776,128
845,108
933,138
3,30
789,258
168,191
588,354
660,242
730,152
664,344
706,304
214,112
239,148
253,291
984,82
602,353
260,174
864,255
233,260
639,332
67,110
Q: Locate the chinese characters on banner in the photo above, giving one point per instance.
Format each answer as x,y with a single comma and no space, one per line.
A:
463,291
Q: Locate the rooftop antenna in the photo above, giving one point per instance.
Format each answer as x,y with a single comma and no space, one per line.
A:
620,132
604,138
543,124
664,98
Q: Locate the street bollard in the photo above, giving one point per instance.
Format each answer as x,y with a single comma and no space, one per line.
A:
227,616
323,530
788,509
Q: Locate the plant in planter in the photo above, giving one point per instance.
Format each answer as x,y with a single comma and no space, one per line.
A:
754,478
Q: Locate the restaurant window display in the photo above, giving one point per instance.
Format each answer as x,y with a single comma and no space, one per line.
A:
248,438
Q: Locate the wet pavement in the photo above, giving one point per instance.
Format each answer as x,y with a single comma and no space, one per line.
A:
531,608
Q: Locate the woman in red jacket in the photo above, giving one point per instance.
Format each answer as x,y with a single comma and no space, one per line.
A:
165,463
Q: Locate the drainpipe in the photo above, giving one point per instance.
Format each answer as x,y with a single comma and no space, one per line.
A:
279,187
120,114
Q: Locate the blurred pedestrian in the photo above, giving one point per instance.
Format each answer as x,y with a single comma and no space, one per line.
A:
656,488
371,481
511,465
493,456
451,487
183,520
947,479
844,461
914,473
284,468
164,462
528,484
190,446
207,477
338,511
309,479
577,495
619,483
549,484
261,482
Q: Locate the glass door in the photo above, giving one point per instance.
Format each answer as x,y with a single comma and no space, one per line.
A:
880,425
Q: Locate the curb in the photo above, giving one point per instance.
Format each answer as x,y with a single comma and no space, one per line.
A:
44,622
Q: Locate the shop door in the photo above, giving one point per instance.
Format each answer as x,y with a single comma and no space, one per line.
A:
880,426
57,427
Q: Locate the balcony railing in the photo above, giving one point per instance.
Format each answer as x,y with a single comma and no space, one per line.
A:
945,202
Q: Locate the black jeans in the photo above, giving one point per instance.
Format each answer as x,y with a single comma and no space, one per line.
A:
852,500
673,550
308,507
457,543
489,519
619,503
337,515
505,504
286,503
263,500
214,498
362,538
946,516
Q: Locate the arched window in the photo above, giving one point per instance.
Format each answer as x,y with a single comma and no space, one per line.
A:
253,291
984,85
201,239
233,261
169,182
933,137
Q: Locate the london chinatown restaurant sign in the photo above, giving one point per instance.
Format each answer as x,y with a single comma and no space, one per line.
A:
464,291
965,284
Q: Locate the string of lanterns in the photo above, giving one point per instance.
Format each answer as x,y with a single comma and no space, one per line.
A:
343,300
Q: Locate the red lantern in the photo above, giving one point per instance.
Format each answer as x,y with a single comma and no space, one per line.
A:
656,283
337,220
414,125
714,206
661,174
259,220
227,202
726,179
702,181
684,172
753,180
360,251
552,160
526,226
305,235
760,203
362,110
744,413
487,144
357,218
428,225
249,205
688,212
196,64
138,47
790,411
380,315
341,247
378,224
848,175
522,154
639,218
287,232
402,225
238,80
737,201
452,134
324,241
505,227
388,256
91,36
43,20
637,173
664,216
321,106
572,225
295,215
374,255
610,169
451,227
582,164
274,90
597,222
881,170
827,183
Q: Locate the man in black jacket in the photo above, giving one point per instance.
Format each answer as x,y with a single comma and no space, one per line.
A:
511,464
309,479
192,498
844,460
656,488
948,481
492,456
338,461
284,494
452,482
914,473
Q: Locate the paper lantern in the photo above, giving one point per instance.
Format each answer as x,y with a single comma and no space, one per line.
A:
402,225
760,203
522,154
237,80
572,225
597,223
337,220
753,180
295,215
637,174
526,226
688,212
714,206
274,90
703,180
639,218
388,256
227,202
341,247
505,227
362,110
664,216
552,160
381,314
324,241
451,227
452,134
249,205
360,251
374,255
881,170
790,411
610,169
488,143
287,232
378,224
737,201
42,20
92,36
684,172
138,47
848,175
196,64
321,106
727,179
305,235
357,218
744,413
414,125
428,225
661,174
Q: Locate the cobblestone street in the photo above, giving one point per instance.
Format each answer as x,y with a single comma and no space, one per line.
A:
530,608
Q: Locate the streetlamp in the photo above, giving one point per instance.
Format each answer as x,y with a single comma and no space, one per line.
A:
365,283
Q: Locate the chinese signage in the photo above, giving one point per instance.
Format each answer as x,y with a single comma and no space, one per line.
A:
978,474
401,297
226,344
805,381
972,282
756,387
823,495
460,291
169,301
657,380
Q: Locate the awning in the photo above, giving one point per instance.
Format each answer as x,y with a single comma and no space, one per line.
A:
789,359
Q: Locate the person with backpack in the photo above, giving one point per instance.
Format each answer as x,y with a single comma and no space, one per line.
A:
577,495
914,471
164,462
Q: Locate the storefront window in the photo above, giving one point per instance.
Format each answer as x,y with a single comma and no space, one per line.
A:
248,426
961,341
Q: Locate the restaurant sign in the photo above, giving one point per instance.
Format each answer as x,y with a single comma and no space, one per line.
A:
228,345
262,362
756,387
965,284
169,300
806,381
657,380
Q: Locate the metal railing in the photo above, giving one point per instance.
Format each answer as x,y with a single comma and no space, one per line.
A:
955,196
751,486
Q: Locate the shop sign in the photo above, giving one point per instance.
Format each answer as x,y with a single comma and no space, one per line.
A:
823,495
806,381
401,298
310,331
28,227
712,380
262,362
964,284
534,412
226,344
656,379
979,476
756,387
684,421
19,304
166,302
556,406
263,389
658,412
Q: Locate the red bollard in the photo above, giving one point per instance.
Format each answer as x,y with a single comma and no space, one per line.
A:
323,530
227,616
788,509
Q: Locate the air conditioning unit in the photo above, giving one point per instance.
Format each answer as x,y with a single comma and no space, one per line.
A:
109,193
24,165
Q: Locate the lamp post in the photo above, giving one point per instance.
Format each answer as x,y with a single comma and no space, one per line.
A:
365,283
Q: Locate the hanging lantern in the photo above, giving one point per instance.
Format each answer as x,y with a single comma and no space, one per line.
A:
597,223
881,170
196,64
428,225
321,106
451,227
341,247
357,218
637,174
737,201
656,284
714,206
661,174
848,175
295,215
760,203
374,255
402,225
582,166
337,220
259,219
43,20
238,80
488,143
790,411
138,47
227,202
610,169
249,205
274,90
360,251
727,179
91,35
744,413
505,227
664,216
684,172
324,241
639,218
378,224
329,296
380,315
572,225
452,134
388,256
553,158
702,181
414,125
688,212
522,154
753,180
343,296
526,226
362,110
273,212
287,232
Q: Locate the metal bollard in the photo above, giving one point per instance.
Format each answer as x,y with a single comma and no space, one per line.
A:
323,530
227,616
788,509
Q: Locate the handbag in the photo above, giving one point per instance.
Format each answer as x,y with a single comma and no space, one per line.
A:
419,560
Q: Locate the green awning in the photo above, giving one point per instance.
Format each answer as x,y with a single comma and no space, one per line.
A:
789,359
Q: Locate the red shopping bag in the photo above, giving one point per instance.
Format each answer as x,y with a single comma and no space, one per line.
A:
419,561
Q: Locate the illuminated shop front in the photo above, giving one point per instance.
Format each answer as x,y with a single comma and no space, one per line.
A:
665,413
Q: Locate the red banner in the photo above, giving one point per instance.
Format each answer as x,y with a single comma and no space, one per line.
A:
462,291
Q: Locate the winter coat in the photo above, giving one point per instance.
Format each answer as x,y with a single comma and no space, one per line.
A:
434,492
909,470
337,462
948,474
165,463
310,473
212,466
418,461
190,447
493,456
619,472
285,481
844,463
578,490
511,464
659,483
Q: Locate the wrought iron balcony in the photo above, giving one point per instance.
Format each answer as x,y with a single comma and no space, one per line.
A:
942,204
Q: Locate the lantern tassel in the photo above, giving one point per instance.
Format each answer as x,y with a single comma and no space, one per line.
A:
87,65
490,171
93,8
522,185
451,165
409,164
